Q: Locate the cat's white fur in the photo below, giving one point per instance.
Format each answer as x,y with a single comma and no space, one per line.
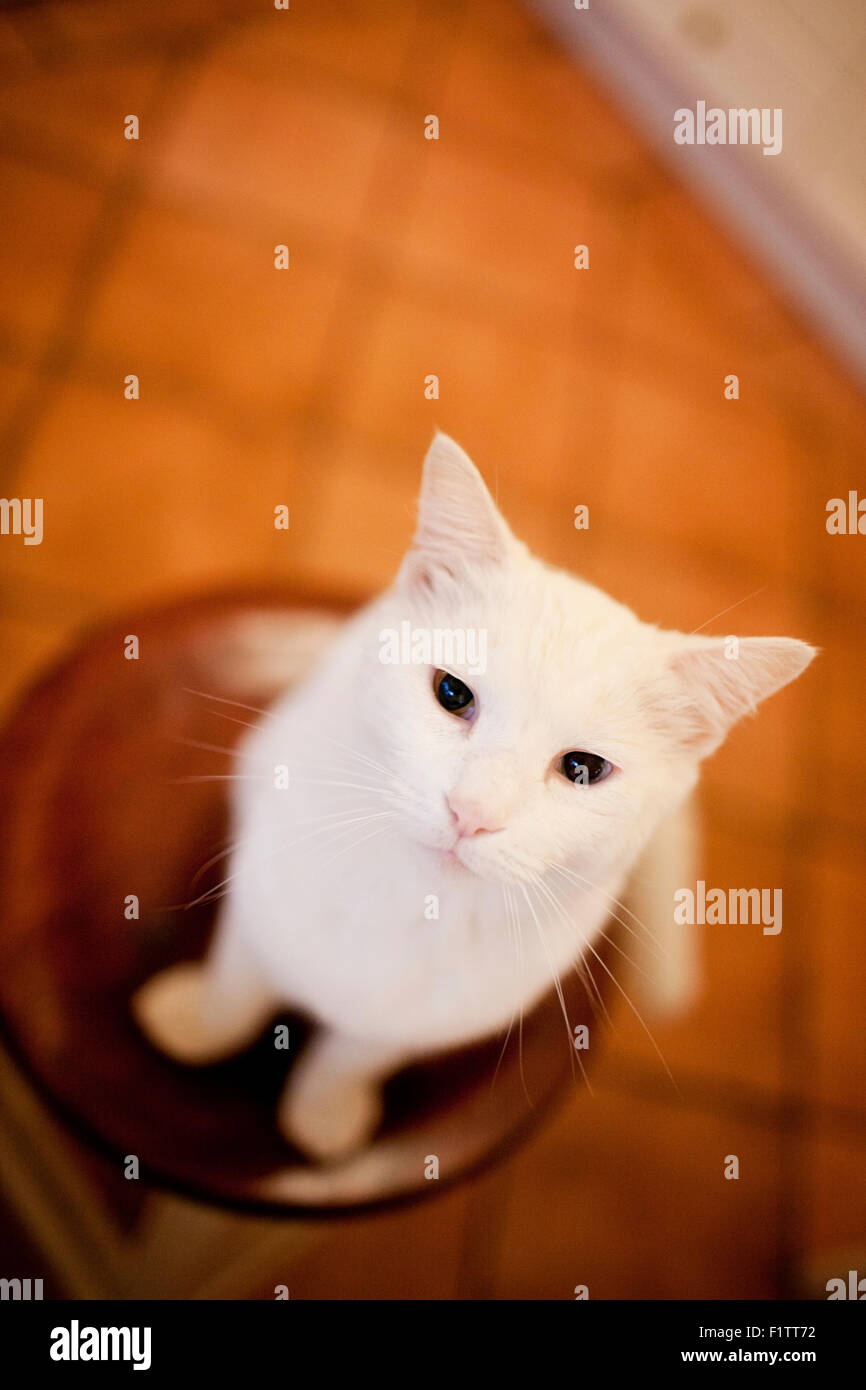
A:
328,905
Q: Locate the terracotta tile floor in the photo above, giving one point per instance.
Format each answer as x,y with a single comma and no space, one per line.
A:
411,257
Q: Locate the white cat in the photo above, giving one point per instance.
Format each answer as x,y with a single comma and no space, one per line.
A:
518,798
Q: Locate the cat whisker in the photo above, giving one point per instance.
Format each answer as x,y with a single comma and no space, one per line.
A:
223,700
511,1023
513,1011
396,793
582,881
518,935
213,893
326,782
560,992
580,966
577,878
729,609
341,830
233,719
363,757
219,777
615,945
614,981
556,982
208,747
214,859
236,751
380,830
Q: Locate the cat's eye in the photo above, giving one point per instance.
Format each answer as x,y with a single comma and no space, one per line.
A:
453,694
584,768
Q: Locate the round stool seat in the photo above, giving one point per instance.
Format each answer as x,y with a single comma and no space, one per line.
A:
105,799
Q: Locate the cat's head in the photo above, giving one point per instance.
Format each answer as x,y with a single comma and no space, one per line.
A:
531,719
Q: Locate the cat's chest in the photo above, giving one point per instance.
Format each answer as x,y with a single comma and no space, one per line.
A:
393,942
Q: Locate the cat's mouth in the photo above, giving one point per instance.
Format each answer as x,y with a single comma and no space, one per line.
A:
466,854
453,854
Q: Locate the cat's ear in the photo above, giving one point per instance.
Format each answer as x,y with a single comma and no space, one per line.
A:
717,680
458,521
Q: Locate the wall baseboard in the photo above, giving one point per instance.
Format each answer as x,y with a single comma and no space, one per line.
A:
796,212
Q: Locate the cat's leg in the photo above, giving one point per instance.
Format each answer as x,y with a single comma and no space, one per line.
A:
666,952
202,1011
332,1102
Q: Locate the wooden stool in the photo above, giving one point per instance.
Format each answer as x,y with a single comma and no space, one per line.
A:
95,811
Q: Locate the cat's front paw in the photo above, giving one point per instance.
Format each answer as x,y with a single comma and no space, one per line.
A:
329,1122
172,1012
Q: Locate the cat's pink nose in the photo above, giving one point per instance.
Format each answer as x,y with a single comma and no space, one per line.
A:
473,818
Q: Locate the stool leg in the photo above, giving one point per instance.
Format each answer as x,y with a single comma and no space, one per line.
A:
48,1191
187,1250
180,1249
